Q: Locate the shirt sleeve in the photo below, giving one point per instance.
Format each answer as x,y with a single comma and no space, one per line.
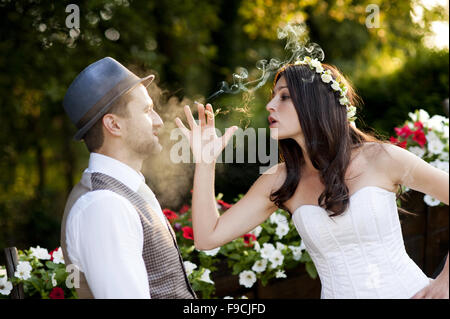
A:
110,248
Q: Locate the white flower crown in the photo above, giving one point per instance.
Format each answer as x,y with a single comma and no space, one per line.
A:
335,85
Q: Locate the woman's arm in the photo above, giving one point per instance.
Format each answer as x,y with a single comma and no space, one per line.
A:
210,229
405,168
409,170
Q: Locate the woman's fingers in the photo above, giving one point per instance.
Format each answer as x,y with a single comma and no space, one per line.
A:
189,117
209,115
201,114
228,134
181,126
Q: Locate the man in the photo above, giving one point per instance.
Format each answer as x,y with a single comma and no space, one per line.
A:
113,229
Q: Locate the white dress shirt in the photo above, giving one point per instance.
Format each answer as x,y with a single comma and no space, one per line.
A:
104,234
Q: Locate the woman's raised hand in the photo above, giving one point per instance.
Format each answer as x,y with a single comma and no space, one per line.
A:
205,144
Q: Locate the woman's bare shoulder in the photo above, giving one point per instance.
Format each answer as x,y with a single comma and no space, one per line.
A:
273,178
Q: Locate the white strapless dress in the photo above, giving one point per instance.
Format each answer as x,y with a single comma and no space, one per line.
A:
361,253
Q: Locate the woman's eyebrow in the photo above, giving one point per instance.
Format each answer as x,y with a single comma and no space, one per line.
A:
279,88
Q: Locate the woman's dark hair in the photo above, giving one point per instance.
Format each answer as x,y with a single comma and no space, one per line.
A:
329,137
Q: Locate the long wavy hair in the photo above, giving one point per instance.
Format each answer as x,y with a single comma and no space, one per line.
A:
329,137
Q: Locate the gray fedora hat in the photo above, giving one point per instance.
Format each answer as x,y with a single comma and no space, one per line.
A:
94,91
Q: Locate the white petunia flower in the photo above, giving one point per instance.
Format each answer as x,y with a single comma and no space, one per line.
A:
256,231
423,116
189,266
5,286
435,145
267,250
23,270
302,246
40,253
436,123
3,271
444,157
205,277
417,150
276,259
260,265
442,165
280,246
280,274
211,252
282,230
247,278
256,246
296,252
54,283
430,201
228,297
58,257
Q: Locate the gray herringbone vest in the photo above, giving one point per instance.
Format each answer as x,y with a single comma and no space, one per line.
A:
166,274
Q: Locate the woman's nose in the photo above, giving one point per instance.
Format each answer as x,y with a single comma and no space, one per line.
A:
271,105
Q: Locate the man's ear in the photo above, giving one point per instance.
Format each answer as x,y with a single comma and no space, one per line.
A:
112,124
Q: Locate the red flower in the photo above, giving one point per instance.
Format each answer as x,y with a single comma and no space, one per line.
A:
56,293
402,144
419,125
223,204
405,131
397,142
170,214
420,138
249,239
184,209
393,140
188,232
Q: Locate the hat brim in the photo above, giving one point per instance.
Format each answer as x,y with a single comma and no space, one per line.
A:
146,81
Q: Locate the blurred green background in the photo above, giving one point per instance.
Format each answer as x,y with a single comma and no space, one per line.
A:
191,46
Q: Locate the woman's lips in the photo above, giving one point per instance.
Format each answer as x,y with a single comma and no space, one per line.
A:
272,121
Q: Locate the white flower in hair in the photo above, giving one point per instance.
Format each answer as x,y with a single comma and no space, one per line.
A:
351,111
319,69
335,86
343,100
327,78
315,63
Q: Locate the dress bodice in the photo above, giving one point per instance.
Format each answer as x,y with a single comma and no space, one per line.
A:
360,253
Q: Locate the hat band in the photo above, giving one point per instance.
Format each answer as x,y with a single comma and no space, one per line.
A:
116,91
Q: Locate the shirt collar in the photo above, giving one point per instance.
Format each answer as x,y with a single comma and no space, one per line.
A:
122,172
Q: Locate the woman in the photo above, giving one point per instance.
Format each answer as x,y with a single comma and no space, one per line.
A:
338,184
